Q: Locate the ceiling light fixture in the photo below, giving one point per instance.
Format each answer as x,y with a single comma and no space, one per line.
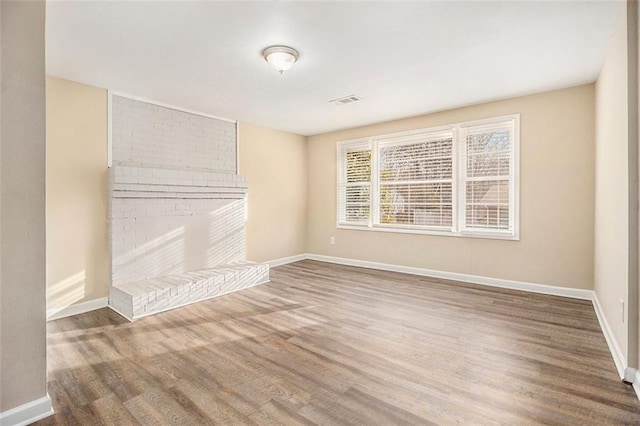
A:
281,58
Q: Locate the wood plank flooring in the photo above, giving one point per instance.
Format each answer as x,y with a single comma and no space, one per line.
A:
329,344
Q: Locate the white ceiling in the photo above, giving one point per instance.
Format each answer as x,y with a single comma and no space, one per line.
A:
403,59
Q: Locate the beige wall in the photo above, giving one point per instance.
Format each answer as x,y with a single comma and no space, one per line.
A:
22,198
611,185
275,164
556,198
77,242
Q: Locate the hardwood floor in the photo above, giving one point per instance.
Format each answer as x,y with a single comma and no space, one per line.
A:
329,344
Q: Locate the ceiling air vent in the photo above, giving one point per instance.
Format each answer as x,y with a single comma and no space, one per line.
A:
346,100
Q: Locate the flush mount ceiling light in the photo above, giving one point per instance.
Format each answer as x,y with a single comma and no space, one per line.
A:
281,58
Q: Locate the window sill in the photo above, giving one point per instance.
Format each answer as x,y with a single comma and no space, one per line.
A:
443,233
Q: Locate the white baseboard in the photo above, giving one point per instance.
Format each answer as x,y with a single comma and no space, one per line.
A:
574,293
284,260
27,413
78,308
636,383
630,375
617,354
119,313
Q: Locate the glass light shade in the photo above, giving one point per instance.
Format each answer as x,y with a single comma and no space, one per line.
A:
281,58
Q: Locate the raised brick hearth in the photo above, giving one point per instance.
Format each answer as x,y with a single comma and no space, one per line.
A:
137,299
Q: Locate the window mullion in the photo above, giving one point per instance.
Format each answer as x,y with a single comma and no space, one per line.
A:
375,185
462,179
455,226
341,203
514,174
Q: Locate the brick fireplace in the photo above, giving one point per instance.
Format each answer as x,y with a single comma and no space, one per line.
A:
177,209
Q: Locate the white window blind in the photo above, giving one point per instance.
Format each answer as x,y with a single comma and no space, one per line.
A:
415,182
454,180
354,199
488,178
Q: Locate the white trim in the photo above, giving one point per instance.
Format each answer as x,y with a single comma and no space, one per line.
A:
177,108
374,186
110,306
77,308
435,231
428,134
574,293
629,375
488,121
456,132
616,353
109,128
512,124
407,133
516,179
284,260
27,413
237,147
636,383
456,178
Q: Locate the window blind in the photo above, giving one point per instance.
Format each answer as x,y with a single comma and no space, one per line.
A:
354,186
488,178
455,180
415,182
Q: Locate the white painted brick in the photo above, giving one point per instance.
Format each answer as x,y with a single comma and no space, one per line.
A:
176,206
153,135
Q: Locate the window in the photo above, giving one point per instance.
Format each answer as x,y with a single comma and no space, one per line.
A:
458,180
416,181
355,188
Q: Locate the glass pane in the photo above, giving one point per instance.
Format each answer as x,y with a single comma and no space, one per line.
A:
358,166
419,215
488,192
420,161
497,140
488,153
416,193
487,216
357,203
488,164
357,213
433,215
357,194
427,204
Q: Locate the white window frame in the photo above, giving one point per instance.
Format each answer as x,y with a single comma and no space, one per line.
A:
343,148
378,144
458,228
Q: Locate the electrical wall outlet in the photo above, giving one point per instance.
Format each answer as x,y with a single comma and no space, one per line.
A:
332,241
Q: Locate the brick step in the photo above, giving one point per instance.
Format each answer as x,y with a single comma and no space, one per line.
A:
141,298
